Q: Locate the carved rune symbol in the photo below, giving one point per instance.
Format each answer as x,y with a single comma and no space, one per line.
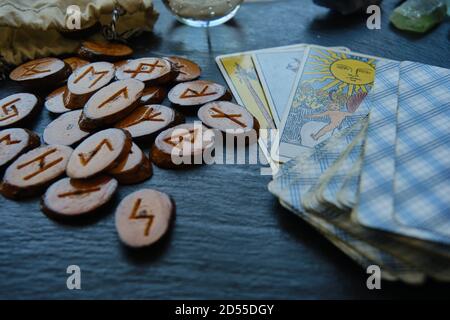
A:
41,163
220,114
149,115
191,93
31,69
177,141
9,110
8,140
180,68
141,68
91,70
79,192
136,215
122,92
86,158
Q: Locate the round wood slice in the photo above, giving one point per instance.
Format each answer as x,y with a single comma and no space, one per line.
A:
41,73
74,198
229,118
34,171
152,71
135,168
75,62
106,51
111,103
182,146
86,80
14,142
17,109
144,217
55,102
99,153
153,95
188,70
120,63
65,130
145,122
188,95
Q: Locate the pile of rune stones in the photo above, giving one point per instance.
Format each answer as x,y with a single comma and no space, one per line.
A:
105,105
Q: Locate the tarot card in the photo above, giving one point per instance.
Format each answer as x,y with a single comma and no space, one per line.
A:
323,194
240,74
326,98
277,70
422,169
347,195
404,180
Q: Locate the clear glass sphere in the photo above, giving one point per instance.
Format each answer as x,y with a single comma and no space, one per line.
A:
203,13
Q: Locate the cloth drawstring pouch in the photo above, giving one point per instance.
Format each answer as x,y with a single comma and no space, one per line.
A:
31,29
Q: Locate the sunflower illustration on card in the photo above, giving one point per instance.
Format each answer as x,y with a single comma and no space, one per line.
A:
326,98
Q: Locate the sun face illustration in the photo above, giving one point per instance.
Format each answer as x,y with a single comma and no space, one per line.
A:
341,72
353,72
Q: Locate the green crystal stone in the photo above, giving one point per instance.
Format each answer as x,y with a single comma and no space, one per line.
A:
419,15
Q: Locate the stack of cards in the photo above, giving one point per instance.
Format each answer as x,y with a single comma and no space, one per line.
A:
365,144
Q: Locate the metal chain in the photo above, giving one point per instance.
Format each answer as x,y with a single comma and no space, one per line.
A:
110,31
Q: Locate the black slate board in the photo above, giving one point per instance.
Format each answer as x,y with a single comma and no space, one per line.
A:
230,241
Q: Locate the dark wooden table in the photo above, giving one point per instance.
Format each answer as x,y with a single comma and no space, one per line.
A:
231,239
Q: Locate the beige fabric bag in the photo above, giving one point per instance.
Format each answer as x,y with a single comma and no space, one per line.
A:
29,29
